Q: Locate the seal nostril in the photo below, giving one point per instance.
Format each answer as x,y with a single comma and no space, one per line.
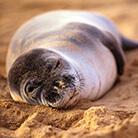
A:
56,84
53,97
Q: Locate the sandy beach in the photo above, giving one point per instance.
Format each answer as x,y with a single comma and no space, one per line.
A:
115,115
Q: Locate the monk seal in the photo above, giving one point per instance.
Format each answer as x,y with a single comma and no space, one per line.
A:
60,57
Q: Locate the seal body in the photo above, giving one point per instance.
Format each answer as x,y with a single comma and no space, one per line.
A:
85,47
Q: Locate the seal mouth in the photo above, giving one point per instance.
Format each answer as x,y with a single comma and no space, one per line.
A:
60,100
53,97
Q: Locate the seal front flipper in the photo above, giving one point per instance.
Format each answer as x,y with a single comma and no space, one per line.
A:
109,41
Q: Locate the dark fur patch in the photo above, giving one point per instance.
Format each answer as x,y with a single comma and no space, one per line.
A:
41,66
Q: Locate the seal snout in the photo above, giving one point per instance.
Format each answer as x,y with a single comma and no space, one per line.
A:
59,92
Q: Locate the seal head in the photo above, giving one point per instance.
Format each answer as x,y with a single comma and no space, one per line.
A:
44,77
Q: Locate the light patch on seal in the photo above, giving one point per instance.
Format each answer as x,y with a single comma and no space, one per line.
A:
16,97
57,89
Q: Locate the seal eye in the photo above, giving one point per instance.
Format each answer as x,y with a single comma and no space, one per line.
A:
57,64
30,88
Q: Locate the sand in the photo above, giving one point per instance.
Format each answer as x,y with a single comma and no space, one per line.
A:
115,115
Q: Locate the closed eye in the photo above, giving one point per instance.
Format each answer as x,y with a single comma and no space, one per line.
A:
30,88
57,64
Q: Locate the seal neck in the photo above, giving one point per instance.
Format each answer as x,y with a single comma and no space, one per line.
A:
90,81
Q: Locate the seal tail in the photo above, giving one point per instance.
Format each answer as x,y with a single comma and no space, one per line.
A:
128,44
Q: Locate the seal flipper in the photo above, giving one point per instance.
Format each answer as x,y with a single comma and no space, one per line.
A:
128,44
110,42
